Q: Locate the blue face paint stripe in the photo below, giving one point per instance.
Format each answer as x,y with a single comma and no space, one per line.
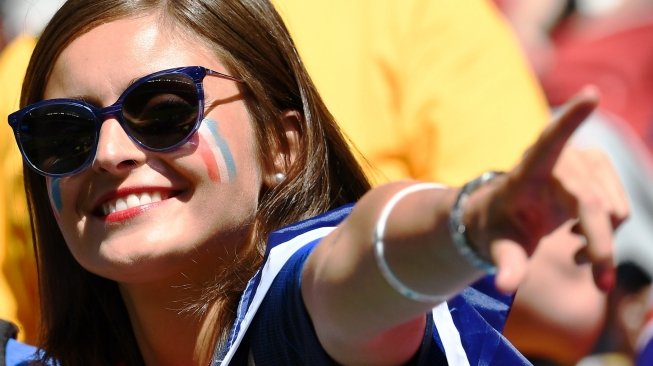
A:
55,192
223,146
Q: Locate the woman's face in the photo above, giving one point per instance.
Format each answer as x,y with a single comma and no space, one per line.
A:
137,215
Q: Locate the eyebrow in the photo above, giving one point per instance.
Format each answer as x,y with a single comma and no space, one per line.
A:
85,98
96,102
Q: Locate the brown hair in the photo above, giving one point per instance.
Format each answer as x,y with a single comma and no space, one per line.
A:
84,319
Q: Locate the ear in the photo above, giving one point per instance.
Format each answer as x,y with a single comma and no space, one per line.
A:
284,152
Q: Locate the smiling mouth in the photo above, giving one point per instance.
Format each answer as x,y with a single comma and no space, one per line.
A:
131,201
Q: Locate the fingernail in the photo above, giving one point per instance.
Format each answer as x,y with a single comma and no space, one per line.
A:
503,281
605,278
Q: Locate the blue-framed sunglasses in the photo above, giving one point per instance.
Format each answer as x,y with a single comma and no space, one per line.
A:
159,112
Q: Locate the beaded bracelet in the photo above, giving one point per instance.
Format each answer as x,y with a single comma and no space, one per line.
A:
382,264
457,231
457,228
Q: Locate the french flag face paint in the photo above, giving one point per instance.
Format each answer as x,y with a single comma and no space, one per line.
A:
215,152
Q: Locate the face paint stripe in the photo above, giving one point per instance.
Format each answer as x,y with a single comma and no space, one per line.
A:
223,146
212,147
209,160
55,195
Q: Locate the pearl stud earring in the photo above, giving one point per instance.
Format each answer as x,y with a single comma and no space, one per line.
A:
279,178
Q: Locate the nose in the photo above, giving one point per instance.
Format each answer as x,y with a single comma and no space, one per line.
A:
116,152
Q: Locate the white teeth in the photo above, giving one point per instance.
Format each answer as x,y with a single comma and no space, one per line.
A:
121,204
132,200
146,198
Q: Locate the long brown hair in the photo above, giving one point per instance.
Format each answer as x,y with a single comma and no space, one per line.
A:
84,319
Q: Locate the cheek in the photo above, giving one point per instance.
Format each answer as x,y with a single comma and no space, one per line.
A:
215,152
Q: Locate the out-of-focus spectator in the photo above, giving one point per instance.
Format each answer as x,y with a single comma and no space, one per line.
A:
27,16
571,324
18,294
600,42
627,307
17,279
434,90
605,43
3,36
645,341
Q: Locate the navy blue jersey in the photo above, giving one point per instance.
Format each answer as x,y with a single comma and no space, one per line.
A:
19,354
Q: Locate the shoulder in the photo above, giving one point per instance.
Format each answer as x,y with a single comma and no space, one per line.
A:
12,352
19,354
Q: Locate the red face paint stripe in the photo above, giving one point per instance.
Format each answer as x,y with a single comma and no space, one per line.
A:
209,160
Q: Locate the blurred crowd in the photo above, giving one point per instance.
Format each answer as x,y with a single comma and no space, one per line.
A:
605,43
25,17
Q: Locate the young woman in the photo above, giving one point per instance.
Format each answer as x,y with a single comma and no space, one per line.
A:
177,155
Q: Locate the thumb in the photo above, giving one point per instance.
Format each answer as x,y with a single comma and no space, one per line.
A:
511,262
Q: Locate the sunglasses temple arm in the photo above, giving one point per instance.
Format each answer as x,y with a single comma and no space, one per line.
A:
222,75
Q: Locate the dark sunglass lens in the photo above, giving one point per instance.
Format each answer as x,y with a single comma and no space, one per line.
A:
58,139
162,111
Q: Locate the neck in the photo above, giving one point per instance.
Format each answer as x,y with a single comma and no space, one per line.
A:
175,320
169,323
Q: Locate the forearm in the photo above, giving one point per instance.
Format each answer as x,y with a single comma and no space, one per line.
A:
355,311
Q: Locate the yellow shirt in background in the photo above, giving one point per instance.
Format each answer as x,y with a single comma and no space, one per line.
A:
18,284
429,89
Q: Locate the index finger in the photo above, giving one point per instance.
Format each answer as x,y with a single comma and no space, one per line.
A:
543,155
